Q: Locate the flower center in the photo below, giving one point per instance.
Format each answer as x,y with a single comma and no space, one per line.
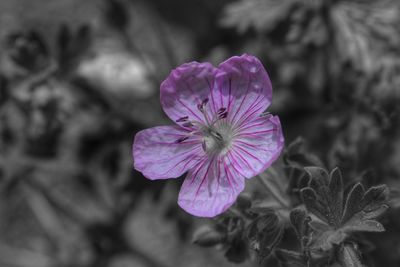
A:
216,133
217,139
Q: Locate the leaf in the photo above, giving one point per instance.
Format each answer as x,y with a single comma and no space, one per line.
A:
289,258
320,198
207,236
324,197
353,201
349,256
265,233
262,15
300,222
297,156
229,232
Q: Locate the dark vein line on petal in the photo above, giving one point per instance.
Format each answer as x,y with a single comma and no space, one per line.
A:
249,154
203,179
189,109
197,171
211,94
244,98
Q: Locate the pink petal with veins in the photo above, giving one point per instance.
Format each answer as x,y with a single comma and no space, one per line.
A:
157,154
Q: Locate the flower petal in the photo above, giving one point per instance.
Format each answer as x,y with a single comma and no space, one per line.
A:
210,188
158,155
185,88
257,145
244,87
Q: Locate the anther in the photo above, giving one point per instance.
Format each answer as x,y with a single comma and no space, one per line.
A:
187,124
180,140
185,118
202,105
204,146
223,115
221,110
217,135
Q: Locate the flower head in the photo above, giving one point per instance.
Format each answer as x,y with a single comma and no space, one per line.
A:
223,134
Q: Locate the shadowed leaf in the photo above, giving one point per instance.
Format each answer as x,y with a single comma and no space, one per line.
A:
265,233
324,198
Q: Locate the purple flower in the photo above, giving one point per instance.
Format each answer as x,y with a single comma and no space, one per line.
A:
222,134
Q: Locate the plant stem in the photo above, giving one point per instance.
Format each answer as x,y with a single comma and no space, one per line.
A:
270,188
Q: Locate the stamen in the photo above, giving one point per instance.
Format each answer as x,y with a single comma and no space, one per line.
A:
185,118
180,140
187,124
202,105
223,115
217,135
204,146
221,110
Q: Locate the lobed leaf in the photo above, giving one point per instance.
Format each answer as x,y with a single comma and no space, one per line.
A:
324,197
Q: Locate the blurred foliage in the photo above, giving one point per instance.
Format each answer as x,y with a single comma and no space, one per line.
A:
77,80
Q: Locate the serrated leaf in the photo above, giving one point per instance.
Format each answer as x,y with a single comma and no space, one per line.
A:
375,196
324,198
353,201
318,174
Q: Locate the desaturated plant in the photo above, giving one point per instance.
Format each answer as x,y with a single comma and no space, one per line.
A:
223,136
325,212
